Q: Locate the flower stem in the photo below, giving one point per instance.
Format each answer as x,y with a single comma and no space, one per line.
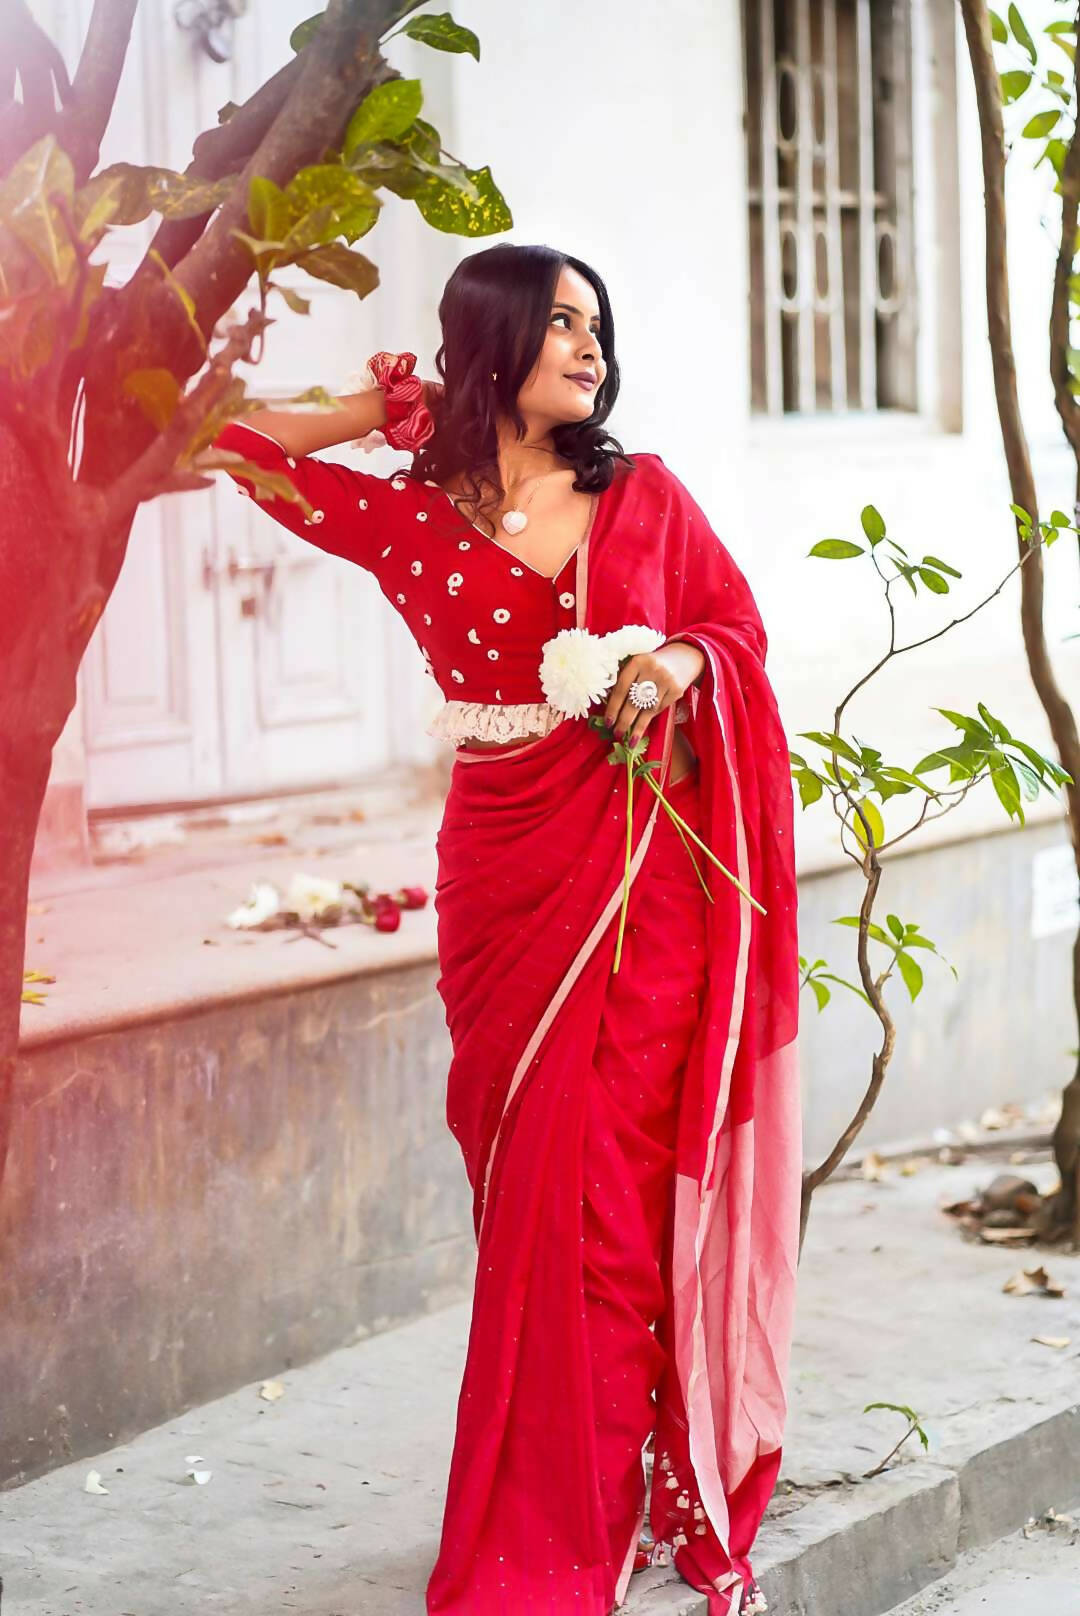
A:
705,849
626,871
690,852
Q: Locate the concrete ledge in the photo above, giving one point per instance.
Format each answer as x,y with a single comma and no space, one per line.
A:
195,1202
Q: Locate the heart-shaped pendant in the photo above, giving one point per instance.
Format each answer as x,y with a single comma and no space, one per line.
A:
514,521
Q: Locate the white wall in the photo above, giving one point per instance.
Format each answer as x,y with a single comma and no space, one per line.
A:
625,146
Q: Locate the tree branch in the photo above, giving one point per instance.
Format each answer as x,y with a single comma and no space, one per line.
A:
44,80
96,79
220,151
145,477
1060,374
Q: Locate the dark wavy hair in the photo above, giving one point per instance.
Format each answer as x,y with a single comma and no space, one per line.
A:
494,314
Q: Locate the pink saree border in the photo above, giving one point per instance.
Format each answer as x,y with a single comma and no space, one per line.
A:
693,1209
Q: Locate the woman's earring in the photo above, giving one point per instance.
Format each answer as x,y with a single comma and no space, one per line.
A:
494,375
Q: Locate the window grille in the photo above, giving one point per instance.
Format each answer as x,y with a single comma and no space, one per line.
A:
828,121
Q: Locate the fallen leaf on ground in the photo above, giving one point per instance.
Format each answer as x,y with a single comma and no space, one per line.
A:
1030,1281
271,1390
872,1166
93,1482
1058,1341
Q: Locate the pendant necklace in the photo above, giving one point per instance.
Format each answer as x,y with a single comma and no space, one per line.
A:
515,521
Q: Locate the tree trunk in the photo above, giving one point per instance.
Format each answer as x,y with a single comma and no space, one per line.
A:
50,550
1062,1211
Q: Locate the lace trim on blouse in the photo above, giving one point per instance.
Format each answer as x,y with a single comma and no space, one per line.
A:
494,721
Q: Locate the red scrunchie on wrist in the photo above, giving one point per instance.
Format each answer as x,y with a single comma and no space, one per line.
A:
409,422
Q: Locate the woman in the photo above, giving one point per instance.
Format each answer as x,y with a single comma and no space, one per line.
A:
632,1135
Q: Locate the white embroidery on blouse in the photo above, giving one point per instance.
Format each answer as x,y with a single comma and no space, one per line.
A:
473,636
463,544
427,619
397,485
417,568
566,598
517,572
493,656
289,461
401,600
361,504
454,582
389,547
421,516
501,615
460,677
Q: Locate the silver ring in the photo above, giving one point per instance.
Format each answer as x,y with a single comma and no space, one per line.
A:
644,693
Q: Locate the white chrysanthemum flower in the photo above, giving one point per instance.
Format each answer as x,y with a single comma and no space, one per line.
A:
310,896
576,669
632,638
261,905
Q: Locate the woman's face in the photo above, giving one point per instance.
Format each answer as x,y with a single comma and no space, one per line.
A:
551,396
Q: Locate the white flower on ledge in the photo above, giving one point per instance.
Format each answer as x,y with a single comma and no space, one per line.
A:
262,904
576,669
312,896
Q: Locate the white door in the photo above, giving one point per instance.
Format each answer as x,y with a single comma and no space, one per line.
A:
234,658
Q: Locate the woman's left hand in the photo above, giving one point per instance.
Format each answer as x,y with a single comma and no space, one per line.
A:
674,667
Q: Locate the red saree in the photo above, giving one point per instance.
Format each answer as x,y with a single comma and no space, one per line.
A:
604,1204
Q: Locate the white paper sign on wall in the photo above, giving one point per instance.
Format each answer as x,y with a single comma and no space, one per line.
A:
1055,891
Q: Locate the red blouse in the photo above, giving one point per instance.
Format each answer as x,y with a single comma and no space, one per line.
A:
478,612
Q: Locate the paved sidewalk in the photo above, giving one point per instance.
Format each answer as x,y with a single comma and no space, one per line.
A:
328,1500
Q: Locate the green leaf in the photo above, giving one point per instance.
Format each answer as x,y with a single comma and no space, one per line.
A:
269,213
41,179
896,926
1021,35
911,971
873,524
384,114
1013,84
446,208
874,820
267,484
298,304
305,31
1003,779
1059,519
157,393
1041,124
836,549
810,788
183,296
327,201
442,33
832,743
341,267
820,992
1021,515
998,30
873,930
933,581
942,566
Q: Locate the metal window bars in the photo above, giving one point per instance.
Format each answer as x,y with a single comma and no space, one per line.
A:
832,284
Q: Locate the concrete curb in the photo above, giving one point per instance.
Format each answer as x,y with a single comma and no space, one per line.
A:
862,1551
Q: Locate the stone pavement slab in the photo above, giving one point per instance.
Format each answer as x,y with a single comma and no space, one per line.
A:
328,1500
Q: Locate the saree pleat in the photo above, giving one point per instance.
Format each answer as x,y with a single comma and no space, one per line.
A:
632,1140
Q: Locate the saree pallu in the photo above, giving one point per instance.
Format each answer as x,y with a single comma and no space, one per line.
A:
627,1239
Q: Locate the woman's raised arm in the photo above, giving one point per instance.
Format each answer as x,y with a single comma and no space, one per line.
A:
304,433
